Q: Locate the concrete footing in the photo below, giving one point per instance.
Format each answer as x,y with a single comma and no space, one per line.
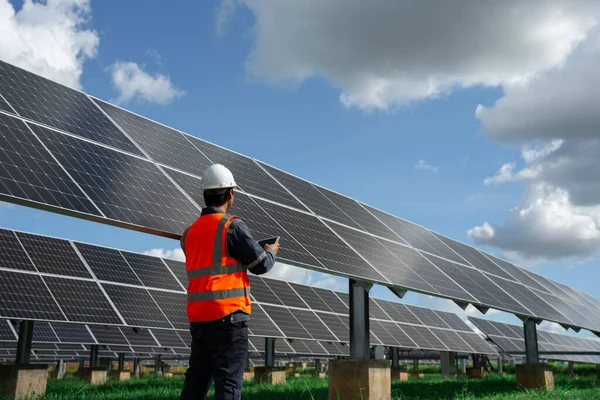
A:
269,375
399,375
23,381
534,376
417,375
296,374
476,372
121,375
93,376
248,376
168,374
364,379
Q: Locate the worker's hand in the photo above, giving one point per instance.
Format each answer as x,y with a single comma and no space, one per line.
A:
274,247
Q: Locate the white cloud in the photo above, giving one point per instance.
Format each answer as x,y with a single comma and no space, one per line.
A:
288,273
49,38
381,54
423,165
224,13
133,83
551,327
176,253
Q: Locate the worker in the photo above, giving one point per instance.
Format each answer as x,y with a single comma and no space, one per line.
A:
219,250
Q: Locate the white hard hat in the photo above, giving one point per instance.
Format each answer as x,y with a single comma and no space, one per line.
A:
217,177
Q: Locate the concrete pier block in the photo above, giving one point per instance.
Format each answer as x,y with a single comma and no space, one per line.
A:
399,375
93,376
476,372
534,376
23,381
297,375
269,375
124,375
364,379
248,376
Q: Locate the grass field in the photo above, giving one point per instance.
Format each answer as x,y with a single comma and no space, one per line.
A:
305,388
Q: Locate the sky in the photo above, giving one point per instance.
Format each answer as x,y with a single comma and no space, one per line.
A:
475,119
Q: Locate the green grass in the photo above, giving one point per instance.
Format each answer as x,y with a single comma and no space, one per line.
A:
306,388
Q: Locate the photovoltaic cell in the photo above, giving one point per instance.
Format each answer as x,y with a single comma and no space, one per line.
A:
332,300
261,325
71,333
4,106
565,308
423,337
453,321
359,214
376,311
452,340
165,145
178,268
315,347
108,335
331,348
168,338
13,255
56,105
337,326
517,273
152,271
82,301
189,184
6,334
311,298
53,256
261,292
310,196
286,322
309,321
285,293
428,317
125,188
173,306
297,345
404,313
474,257
428,271
136,306
321,242
477,343
139,337
107,264
26,296
248,175
382,334
28,173
399,335
41,332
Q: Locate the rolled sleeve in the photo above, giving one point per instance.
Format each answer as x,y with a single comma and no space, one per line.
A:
242,246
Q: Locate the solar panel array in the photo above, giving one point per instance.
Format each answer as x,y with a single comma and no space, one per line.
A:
510,339
107,288
68,152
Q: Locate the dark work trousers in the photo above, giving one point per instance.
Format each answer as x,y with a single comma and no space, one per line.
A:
219,353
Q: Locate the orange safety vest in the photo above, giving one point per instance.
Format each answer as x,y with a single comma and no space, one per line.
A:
217,284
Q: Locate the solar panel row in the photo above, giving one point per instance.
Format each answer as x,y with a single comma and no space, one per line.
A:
65,151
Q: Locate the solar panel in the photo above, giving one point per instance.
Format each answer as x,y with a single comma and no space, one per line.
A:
29,174
108,335
285,293
313,325
42,332
82,301
189,184
477,344
428,271
452,340
71,333
26,296
13,256
152,271
310,196
4,106
385,337
107,264
286,322
173,305
423,337
168,338
178,269
474,257
56,105
261,292
517,273
315,347
398,312
248,175
53,256
336,325
136,306
126,188
139,337
331,348
384,261
399,335
428,317
261,325
312,299
453,321
298,345
332,300
6,333
567,309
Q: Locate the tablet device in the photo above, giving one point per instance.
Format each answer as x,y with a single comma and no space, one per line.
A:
272,240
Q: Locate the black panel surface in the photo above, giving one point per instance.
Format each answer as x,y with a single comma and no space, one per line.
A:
42,332
82,301
53,256
72,333
136,306
178,268
261,325
384,261
286,322
107,264
321,242
423,337
376,309
6,334
428,317
152,271
311,197
168,338
139,337
517,273
173,306
399,335
56,105
385,337
313,325
427,271
453,321
285,293
477,343
452,340
403,313
28,171
261,292
315,347
26,296
332,300
163,144
108,335
247,174
125,188
189,184
311,298
13,255
337,326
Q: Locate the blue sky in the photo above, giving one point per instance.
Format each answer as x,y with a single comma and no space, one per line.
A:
405,138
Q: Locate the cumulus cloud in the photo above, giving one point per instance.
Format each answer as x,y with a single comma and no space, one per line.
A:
552,327
381,54
423,165
176,253
49,38
133,83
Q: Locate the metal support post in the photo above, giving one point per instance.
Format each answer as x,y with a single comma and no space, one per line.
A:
359,321
24,342
571,368
157,366
531,344
395,363
379,353
136,366
318,365
81,364
269,352
463,365
416,366
121,361
500,366
94,356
